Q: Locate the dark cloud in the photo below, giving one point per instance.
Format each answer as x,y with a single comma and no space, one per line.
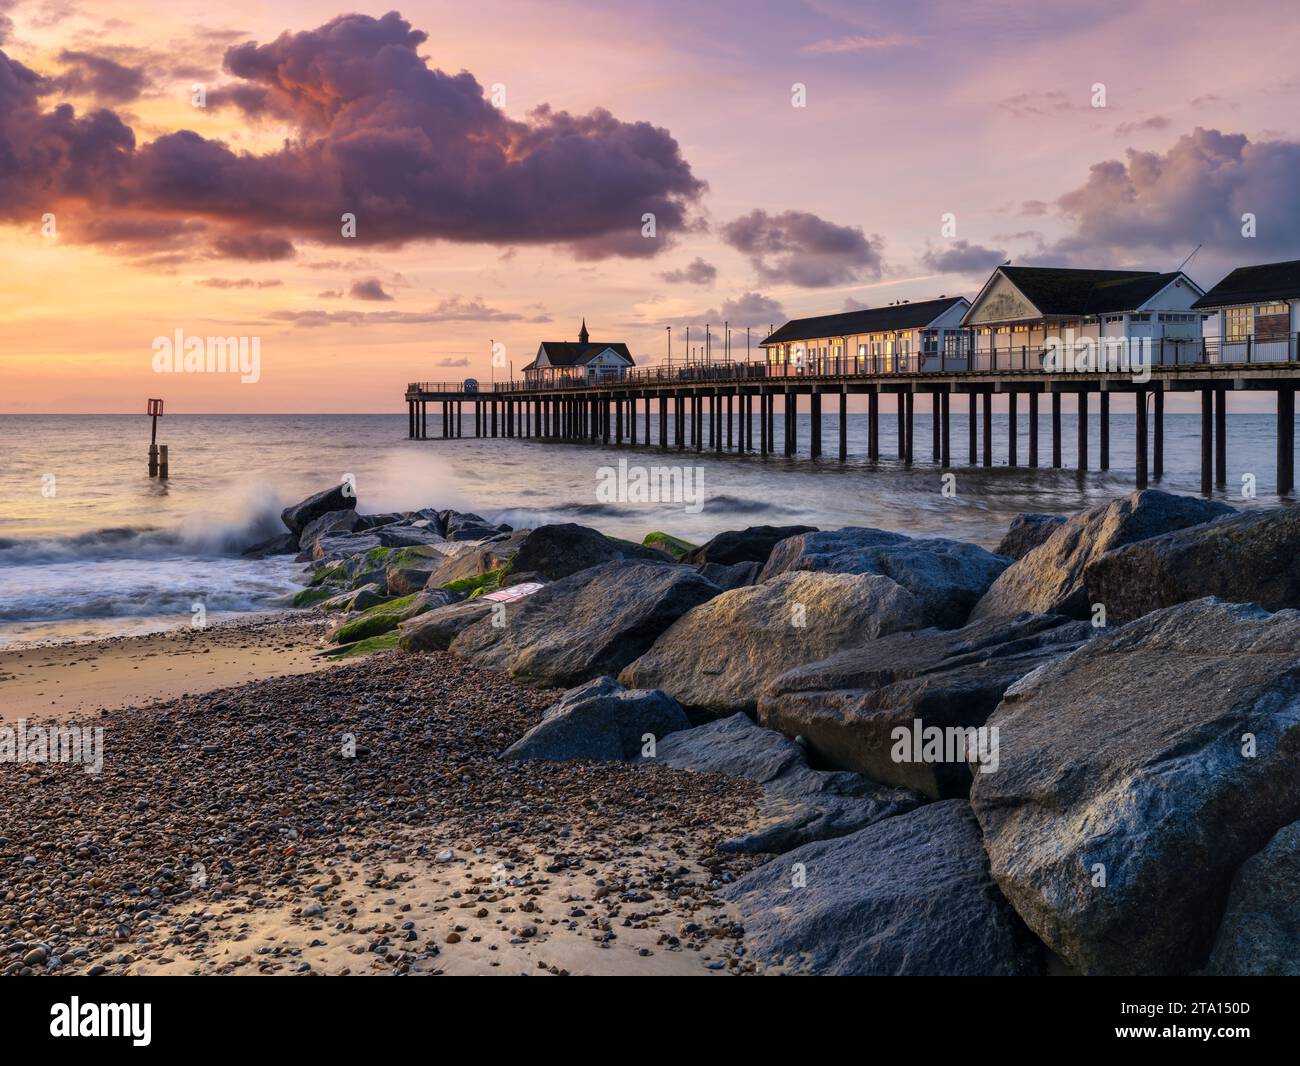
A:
962,257
239,283
415,153
799,248
1195,193
368,289
99,76
749,309
696,272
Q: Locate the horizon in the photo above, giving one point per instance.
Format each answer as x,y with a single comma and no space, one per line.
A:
504,204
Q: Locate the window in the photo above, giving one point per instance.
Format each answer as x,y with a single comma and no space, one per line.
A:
1237,323
1144,316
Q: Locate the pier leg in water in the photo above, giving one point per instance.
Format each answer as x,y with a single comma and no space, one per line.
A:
1158,433
815,423
844,425
1104,416
762,425
1056,430
873,424
936,435
1207,442
973,428
717,432
791,423
988,429
1033,429
1140,431
1083,430
1285,440
909,405
1012,430
902,426
771,423
1221,437
945,446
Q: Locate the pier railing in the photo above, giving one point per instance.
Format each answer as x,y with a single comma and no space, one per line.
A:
1105,356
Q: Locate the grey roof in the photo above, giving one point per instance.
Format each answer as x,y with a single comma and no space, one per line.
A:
1264,283
1068,291
871,320
571,353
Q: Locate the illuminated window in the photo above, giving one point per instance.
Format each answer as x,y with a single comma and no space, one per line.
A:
1237,323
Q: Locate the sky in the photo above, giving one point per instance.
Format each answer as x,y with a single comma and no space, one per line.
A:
193,167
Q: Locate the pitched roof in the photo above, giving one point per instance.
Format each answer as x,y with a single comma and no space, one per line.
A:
571,353
871,320
1067,291
1255,284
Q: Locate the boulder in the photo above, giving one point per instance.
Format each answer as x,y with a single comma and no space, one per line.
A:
557,551
346,521
1027,532
437,628
284,544
585,625
457,525
1049,579
404,536
907,896
361,599
1252,557
331,547
750,545
599,720
850,707
300,514
719,657
1136,774
1260,932
735,576
374,521
947,577
797,804
467,561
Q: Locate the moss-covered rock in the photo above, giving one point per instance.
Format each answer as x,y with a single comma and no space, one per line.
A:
309,597
477,585
666,542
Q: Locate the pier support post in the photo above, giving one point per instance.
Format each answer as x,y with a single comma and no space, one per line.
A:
1013,430
945,413
1140,432
494,418
1285,440
699,422
410,435
873,424
1158,435
988,429
1103,400
771,422
973,428
718,401
1207,441
902,425
791,422
460,419
844,425
663,420
1056,430
1083,430
936,432
762,425
1221,437
909,426
1033,429
815,422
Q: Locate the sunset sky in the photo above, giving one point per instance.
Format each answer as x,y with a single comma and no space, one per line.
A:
499,158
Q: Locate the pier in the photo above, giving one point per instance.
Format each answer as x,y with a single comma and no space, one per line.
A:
741,399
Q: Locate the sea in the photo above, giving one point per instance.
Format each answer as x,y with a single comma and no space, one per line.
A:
91,546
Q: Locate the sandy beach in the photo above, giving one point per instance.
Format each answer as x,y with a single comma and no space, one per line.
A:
350,818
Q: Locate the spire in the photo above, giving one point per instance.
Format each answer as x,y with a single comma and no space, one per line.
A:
582,333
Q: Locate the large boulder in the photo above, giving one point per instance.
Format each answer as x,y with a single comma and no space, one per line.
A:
1026,532
1049,579
1137,774
346,521
907,896
461,561
461,525
947,577
1260,932
556,551
735,576
851,708
332,546
437,628
399,535
1252,557
600,720
750,545
797,804
389,614
591,623
719,658
337,498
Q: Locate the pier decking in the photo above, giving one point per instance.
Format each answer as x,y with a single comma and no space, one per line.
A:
609,411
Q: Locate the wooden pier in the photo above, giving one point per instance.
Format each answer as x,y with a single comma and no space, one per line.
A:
737,395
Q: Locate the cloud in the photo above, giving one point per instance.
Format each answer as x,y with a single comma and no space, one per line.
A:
1196,192
99,76
798,248
962,257
1037,105
1155,122
368,289
452,309
748,309
238,283
857,42
256,247
450,360
697,272
853,304
415,153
